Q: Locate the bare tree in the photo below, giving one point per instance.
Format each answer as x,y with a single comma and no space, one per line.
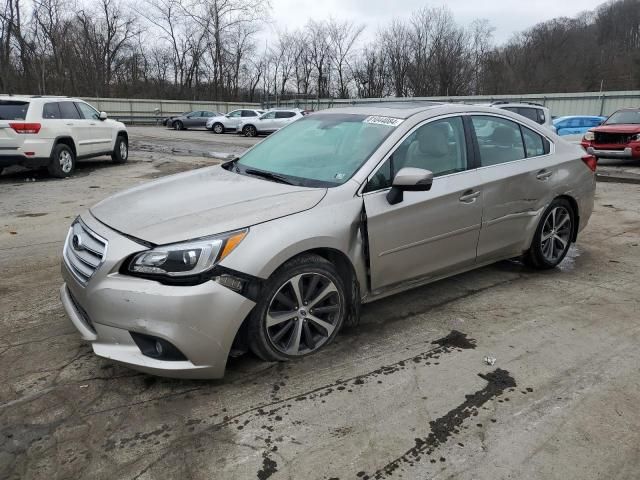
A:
342,40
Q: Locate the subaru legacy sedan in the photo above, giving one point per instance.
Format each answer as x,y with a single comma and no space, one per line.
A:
275,251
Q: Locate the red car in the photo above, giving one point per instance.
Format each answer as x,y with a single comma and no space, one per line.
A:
617,137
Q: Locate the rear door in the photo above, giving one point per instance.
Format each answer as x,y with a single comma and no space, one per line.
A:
73,122
517,172
432,233
10,111
96,134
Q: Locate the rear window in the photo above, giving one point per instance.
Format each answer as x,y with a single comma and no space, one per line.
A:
13,110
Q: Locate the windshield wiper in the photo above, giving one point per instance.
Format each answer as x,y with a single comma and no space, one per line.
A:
268,176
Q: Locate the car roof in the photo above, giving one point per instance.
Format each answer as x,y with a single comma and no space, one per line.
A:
405,110
567,117
30,98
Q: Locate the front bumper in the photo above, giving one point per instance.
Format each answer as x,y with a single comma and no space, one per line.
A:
627,152
201,320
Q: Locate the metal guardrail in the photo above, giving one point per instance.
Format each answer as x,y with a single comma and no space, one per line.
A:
149,111
560,104
152,112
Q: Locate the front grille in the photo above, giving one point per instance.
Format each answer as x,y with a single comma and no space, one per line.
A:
612,138
84,251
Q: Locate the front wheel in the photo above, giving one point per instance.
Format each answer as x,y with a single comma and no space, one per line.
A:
218,128
553,236
62,162
121,151
301,310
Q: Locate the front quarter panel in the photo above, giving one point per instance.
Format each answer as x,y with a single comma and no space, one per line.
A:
333,224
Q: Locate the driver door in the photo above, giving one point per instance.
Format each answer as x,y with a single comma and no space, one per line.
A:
432,233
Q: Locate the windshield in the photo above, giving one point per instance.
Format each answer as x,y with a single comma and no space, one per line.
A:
321,150
624,117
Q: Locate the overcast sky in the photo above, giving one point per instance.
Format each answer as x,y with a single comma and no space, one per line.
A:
507,16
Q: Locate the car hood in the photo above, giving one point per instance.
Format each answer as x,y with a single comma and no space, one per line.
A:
622,128
199,203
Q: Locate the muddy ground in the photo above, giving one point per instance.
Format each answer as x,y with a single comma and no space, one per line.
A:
404,395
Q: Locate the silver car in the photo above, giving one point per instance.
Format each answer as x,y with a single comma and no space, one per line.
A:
275,251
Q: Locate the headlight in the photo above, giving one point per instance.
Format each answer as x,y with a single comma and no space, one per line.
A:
635,138
188,258
589,136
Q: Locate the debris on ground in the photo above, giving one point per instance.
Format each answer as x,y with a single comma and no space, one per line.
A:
489,360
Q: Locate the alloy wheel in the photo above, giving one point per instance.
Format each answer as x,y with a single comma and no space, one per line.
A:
66,161
250,131
218,128
556,234
303,314
124,150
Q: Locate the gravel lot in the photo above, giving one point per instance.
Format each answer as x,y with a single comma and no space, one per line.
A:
405,395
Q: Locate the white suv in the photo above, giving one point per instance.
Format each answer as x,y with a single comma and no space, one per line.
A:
38,131
270,122
231,121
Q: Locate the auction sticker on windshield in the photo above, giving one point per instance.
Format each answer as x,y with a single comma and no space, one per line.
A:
389,121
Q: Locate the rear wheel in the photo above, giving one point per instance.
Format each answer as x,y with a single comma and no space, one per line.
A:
121,151
553,236
62,162
218,128
250,131
302,309
178,125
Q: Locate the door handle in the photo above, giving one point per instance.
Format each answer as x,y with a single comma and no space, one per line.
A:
544,174
469,196
70,124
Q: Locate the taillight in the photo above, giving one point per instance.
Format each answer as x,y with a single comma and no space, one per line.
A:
590,161
26,127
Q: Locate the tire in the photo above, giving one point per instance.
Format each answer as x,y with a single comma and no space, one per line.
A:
314,275
121,150
217,128
553,237
250,131
62,162
178,125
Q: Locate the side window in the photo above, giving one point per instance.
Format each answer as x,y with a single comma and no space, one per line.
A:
284,114
530,113
574,123
248,113
51,111
541,118
593,122
438,146
68,111
269,116
499,140
535,144
87,112
235,113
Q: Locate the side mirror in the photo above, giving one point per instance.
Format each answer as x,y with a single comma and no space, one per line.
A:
103,115
409,179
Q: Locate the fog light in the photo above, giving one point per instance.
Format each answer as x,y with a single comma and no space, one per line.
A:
159,349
